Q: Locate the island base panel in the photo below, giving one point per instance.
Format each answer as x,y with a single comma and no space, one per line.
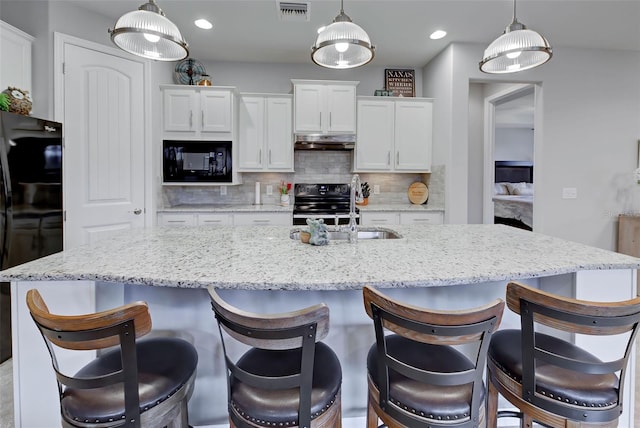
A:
187,313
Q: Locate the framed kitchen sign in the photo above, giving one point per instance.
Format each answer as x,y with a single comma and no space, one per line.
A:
400,81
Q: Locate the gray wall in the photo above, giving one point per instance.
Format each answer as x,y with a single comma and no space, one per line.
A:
514,144
588,134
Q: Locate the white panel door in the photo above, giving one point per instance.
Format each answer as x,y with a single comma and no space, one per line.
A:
178,110
341,103
15,67
251,132
215,107
104,144
279,134
308,106
413,136
375,135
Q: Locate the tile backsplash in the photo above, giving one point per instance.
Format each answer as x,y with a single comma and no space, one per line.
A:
311,167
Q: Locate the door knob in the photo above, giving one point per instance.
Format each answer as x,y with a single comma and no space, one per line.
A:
137,211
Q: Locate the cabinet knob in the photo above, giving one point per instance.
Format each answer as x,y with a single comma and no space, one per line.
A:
137,211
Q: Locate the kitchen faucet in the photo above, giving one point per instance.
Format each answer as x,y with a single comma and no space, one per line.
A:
356,196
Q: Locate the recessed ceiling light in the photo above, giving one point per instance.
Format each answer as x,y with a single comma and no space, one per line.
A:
438,34
204,24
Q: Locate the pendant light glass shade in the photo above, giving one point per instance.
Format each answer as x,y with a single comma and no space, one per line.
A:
146,32
518,49
342,44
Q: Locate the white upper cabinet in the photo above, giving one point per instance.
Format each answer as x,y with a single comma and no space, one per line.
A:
413,135
394,134
215,110
374,145
15,66
325,107
198,112
265,132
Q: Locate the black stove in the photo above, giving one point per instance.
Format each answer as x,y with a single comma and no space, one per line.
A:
327,201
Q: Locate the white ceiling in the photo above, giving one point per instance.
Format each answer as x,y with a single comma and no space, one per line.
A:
251,30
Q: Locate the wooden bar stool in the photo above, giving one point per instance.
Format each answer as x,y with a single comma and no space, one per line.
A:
551,380
418,377
139,383
288,377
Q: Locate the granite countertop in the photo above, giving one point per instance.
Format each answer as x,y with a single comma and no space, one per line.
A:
201,208
266,258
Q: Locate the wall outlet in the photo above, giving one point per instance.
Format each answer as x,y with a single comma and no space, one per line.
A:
269,189
569,193
223,190
376,189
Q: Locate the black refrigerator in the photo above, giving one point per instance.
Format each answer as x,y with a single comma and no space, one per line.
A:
31,216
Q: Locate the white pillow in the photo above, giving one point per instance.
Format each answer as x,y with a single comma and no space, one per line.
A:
513,187
522,189
500,189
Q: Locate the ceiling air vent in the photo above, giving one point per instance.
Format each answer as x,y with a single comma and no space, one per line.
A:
293,11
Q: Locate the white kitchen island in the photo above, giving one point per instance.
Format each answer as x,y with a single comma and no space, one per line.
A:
262,269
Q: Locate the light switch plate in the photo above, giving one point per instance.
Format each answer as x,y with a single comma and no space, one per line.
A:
269,189
223,190
376,189
569,193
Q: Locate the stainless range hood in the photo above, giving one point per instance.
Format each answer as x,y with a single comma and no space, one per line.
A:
324,142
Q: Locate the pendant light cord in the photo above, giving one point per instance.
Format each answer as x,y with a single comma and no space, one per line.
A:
515,20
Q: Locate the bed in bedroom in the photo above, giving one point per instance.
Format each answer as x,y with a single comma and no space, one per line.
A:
513,194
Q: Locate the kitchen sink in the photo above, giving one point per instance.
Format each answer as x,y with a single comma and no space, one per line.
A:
363,233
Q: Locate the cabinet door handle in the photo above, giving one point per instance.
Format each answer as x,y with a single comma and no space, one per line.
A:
260,156
389,158
212,221
261,221
398,158
330,120
191,119
137,211
269,156
202,123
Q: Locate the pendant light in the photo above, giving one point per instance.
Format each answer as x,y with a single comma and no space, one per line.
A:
517,49
343,44
146,32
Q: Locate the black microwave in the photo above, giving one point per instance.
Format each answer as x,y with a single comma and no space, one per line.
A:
196,161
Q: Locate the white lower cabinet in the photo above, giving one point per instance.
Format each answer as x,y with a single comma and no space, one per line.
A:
224,219
379,218
165,219
432,217
215,219
262,219
389,218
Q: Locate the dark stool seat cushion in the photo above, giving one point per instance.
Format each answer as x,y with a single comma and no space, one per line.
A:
269,407
430,401
569,386
164,366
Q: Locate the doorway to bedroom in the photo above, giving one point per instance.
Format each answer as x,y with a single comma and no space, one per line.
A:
508,196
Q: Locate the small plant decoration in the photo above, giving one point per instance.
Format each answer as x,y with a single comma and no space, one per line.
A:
365,191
